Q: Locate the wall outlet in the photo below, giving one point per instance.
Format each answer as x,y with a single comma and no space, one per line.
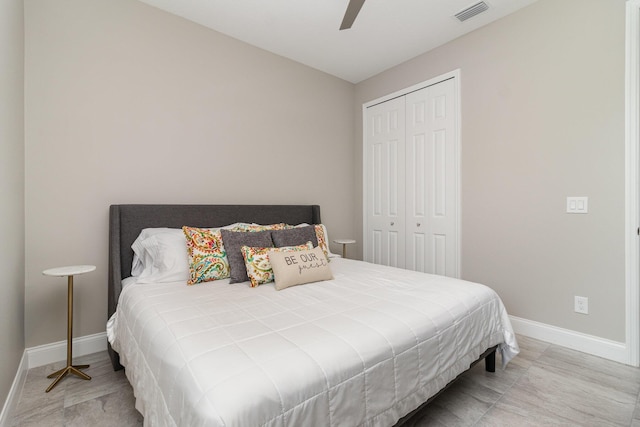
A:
581,305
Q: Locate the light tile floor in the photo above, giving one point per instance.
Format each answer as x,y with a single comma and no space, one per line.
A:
545,385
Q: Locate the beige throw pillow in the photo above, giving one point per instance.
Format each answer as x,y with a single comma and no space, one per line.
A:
297,268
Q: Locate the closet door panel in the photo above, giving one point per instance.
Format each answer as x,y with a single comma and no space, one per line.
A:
442,185
417,179
431,180
385,180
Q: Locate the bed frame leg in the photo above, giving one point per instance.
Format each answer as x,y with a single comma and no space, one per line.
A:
490,362
115,358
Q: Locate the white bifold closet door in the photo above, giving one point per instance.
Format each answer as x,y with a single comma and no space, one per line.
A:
411,181
385,182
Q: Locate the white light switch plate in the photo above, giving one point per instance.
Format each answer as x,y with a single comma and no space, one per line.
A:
578,205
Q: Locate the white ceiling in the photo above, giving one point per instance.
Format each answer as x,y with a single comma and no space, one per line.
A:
385,33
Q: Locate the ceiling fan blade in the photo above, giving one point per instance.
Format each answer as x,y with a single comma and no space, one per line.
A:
350,15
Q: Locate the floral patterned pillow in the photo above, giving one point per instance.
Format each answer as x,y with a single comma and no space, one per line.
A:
207,257
322,240
257,263
258,227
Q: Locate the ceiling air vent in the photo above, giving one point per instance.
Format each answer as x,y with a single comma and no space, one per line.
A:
471,11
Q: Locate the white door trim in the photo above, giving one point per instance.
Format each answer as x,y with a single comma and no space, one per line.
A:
455,74
632,187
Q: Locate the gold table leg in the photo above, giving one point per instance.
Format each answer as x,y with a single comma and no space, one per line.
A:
69,368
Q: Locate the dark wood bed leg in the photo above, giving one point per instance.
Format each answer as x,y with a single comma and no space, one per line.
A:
115,358
490,361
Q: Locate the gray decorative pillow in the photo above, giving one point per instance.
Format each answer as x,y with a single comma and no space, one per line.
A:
294,236
233,241
297,268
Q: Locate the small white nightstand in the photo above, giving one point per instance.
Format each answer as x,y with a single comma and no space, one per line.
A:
344,243
69,272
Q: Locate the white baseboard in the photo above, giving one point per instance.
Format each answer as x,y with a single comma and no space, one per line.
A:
54,352
11,402
590,344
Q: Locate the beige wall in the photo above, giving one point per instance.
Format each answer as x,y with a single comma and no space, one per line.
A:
11,191
542,119
128,104
118,94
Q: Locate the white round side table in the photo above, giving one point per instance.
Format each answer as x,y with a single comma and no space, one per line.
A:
344,243
69,272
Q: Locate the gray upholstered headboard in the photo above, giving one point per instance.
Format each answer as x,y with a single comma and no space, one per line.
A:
126,222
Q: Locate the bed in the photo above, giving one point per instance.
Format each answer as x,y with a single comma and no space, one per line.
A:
368,347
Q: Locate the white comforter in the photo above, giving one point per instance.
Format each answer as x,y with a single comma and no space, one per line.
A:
363,349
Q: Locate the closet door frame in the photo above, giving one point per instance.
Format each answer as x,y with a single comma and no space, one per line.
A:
455,74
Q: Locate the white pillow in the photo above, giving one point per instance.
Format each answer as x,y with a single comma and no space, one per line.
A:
165,258
140,256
